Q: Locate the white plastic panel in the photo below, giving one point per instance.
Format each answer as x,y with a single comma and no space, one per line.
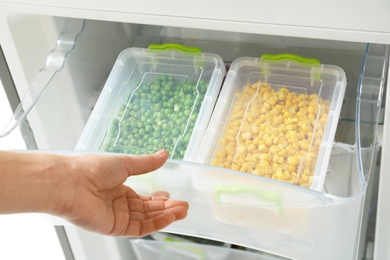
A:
382,232
339,20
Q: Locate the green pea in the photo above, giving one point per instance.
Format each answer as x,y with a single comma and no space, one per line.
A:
155,87
141,132
179,121
203,88
166,126
187,138
148,128
114,149
168,111
175,132
176,107
187,112
188,102
194,116
112,134
133,142
157,141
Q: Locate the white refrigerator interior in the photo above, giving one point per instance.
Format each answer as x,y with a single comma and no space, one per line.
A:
60,55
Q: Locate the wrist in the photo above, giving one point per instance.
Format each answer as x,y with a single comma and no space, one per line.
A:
34,182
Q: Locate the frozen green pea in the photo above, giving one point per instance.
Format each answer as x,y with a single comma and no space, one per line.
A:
188,102
162,112
148,128
187,112
133,142
141,131
166,127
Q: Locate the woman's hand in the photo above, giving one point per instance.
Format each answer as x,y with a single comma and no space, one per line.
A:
100,202
88,191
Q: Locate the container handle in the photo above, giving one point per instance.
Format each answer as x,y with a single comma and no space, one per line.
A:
175,46
310,62
289,56
270,197
179,47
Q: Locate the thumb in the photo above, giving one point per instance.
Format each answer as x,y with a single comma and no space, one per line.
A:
140,164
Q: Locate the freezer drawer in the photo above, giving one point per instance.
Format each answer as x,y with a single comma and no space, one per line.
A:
151,249
225,205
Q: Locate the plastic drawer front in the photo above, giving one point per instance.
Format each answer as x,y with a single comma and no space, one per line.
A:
258,213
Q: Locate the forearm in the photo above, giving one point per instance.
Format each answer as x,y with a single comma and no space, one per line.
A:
31,182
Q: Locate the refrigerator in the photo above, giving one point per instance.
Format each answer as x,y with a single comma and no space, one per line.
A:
57,56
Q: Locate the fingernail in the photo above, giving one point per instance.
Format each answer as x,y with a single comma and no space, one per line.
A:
160,153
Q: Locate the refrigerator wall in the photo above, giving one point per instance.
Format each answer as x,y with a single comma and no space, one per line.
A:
60,57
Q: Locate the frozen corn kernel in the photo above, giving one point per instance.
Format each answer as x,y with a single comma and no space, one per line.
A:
247,135
262,148
274,133
235,167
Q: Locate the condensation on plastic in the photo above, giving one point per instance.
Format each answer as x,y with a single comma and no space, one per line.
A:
55,61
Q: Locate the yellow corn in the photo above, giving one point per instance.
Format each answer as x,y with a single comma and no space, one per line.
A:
277,135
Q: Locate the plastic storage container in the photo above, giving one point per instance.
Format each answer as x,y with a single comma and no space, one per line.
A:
276,117
150,249
155,99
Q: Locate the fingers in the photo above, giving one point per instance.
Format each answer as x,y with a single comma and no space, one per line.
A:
159,221
145,163
151,206
148,215
158,208
147,206
160,195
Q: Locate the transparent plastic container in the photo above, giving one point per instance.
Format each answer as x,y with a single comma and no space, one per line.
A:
276,119
150,249
155,99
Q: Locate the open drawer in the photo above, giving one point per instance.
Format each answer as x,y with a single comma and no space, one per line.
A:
242,209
